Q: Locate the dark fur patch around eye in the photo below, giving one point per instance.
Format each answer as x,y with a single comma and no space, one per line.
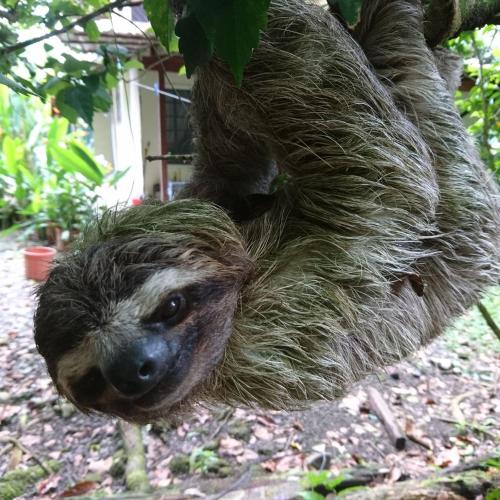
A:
191,298
172,310
89,387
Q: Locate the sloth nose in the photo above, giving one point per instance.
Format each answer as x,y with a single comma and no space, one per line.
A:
139,366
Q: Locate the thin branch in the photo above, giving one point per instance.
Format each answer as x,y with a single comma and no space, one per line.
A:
23,448
82,20
489,319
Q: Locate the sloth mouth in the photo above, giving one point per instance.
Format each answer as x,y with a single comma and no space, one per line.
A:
157,394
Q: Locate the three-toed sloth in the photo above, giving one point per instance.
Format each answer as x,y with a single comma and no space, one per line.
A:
387,227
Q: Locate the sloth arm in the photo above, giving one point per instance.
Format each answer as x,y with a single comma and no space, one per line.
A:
233,168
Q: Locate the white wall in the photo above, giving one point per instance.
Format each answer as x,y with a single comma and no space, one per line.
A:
131,130
118,137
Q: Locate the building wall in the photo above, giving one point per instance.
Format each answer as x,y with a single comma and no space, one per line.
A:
118,137
151,136
131,130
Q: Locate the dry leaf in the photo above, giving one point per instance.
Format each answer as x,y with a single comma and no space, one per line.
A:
269,465
48,484
79,489
262,433
247,456
448,458
230,446
101,466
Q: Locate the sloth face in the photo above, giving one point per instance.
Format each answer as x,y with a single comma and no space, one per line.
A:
131,327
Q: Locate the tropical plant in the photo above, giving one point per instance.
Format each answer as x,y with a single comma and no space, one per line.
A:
48,177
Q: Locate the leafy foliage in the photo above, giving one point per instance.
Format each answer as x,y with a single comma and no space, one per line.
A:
480,106
77,85
48,177
229,28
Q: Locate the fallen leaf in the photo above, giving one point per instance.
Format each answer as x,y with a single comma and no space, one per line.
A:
262,433
230,446
290,462
448,458
269,465
48,484
247,456
101,466
79,489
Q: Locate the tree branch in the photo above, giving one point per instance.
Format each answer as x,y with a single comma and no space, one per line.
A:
82,20
444,19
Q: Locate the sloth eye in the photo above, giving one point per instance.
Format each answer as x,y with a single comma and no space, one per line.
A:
171,307
170,311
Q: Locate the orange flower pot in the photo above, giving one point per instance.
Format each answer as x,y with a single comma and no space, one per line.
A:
37,262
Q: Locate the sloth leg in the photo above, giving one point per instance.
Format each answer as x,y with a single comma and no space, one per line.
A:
233,168
468,213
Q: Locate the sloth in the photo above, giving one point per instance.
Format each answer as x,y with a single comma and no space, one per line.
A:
387,228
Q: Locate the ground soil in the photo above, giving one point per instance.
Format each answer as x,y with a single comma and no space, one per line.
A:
446,395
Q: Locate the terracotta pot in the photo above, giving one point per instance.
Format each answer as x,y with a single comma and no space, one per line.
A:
37,262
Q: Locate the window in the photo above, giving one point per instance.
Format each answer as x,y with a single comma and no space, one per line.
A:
179,134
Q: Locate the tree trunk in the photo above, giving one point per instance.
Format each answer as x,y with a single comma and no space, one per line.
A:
447,18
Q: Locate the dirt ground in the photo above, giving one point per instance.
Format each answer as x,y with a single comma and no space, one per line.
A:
446,396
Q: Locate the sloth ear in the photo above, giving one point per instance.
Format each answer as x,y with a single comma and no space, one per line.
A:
251,207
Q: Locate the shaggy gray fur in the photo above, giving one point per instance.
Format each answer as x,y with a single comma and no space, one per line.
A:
386,184
386,188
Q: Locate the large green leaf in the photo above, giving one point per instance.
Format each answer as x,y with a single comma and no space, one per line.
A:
87,156
193,43
75,66
57,131
15,86
161,19
350,10
233,26
9,150
72,162
76,101
92,30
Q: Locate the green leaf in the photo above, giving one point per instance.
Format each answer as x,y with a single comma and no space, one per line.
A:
10,230
75,66
233,27
133,64
87,157
16,87
350,10
9,150
91,82
54,85
79,100
193,43
72,162
102,99
116,176
110,80
92,30
161,19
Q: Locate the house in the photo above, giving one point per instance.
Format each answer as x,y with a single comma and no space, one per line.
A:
149,115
